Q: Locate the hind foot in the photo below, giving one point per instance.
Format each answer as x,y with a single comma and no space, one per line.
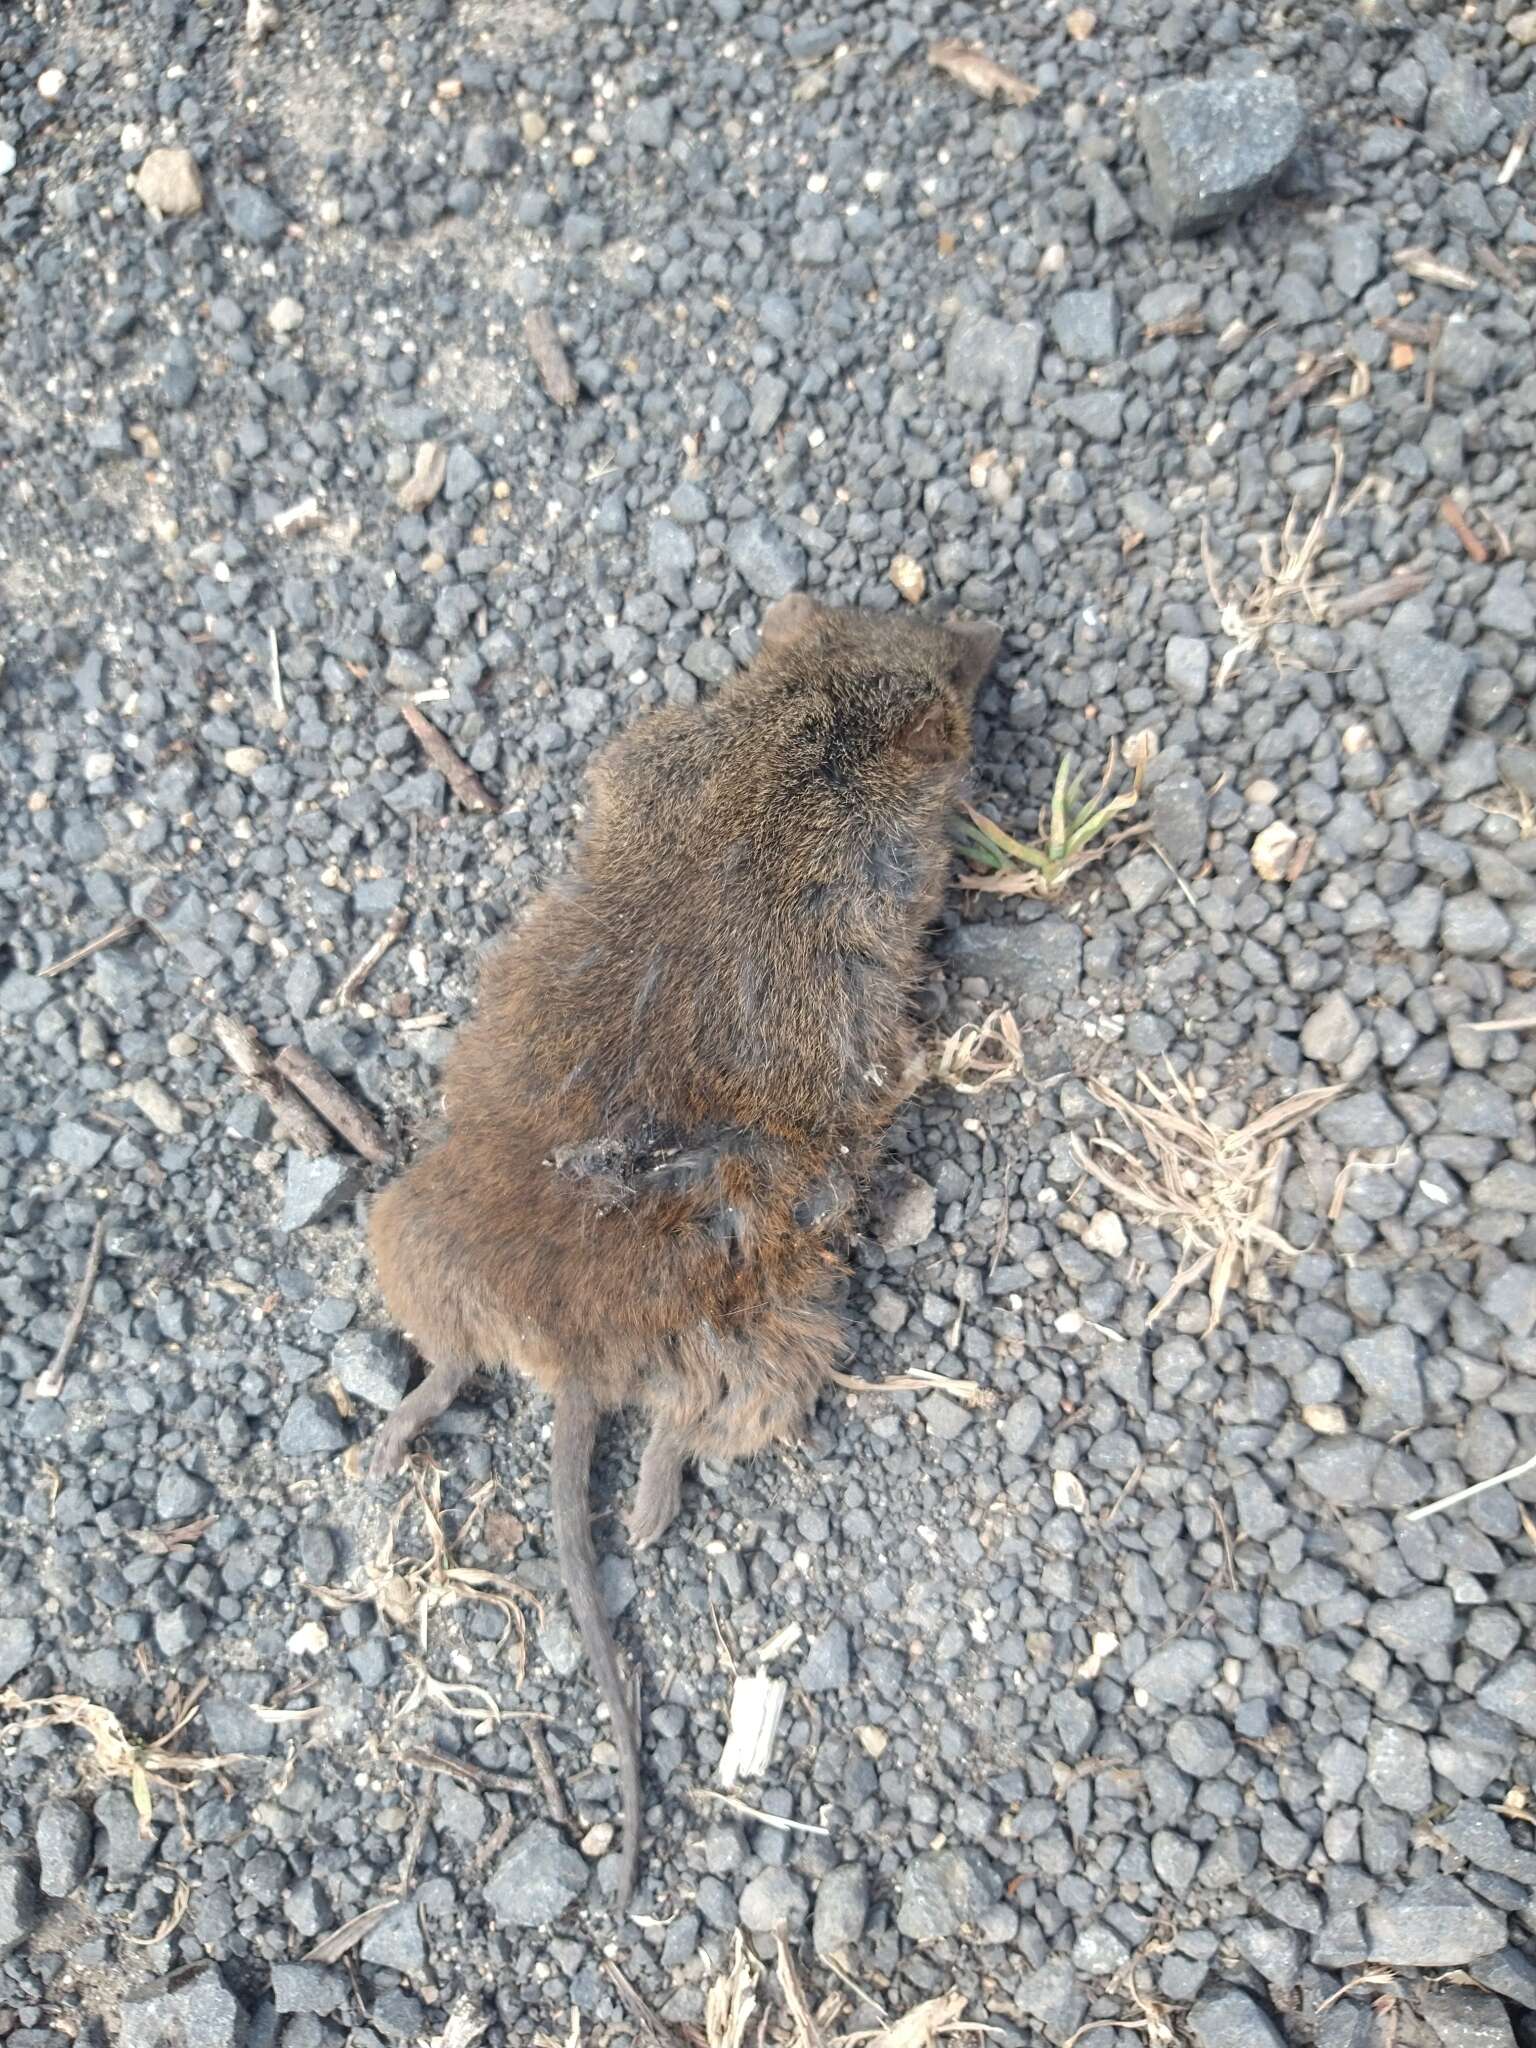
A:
437,1393
659,1493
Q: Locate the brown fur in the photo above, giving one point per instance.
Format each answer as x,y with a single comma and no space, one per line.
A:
680,1070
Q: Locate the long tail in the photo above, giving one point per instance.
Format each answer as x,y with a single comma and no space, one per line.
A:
575,1437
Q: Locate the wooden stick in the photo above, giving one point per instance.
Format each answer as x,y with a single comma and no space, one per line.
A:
544,1767
549,356
123,930
342,1112
1456,520
352,984
455,771
466,1773
1303,385
51,1379
1502,1024
248,1056
1391,590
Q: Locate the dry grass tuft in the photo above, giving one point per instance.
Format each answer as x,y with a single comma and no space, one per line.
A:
1072,834
1216,1191
1286,590
737,1999
145,1765
410,1587
981,1056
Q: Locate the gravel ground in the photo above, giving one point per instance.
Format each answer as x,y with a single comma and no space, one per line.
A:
1125,1692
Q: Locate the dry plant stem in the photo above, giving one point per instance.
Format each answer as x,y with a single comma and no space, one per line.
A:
353,982
449,763
330,1948
466,1773
1504,1024
51,1379
1452,1500
918,1381
345,1115
771,1820
1456,520
248,1056
544,1770
123,930
549,356
650,2022
1390,590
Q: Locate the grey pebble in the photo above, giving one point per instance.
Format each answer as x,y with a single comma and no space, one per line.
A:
316,1988
1178,1673
1424,680
64,1839
312,1428
842,1908
18,1646
193,2006
945,1890
775,1901
767,561
372,1366
537,1879
1229,2017
315,1188
827,1665
1085,325
254,215
18,1903
1215,145
1436,1923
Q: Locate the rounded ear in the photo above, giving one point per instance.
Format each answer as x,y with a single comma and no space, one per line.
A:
975,650
787,620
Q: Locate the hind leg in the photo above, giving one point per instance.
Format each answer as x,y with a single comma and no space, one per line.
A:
658,1495
436,1394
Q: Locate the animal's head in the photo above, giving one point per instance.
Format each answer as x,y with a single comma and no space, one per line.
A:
876,706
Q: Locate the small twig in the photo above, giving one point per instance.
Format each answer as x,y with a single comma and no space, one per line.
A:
358,1126
51,1379
1456,520
1452,1500
650,2022
454,769
248,1056
353,981
122,930
1390,590
1497,268
771,1820
549,356
466,1773
493,1844
1503,1024
277,673
1516,157
544,1770
1307,381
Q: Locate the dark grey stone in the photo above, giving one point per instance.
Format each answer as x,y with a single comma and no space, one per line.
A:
18,1646
537,1879
372,1366
18,1904
1229,2017
195,2008
945,1890
827,1666
312,1428
842,1908
315,1988
64,1838
1424,679
775,1901
397,1943
1178,1673
315,1189
1511,1692
1436,1923
767,561
1213,146
1042,959
989,361
1085,325
253,214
